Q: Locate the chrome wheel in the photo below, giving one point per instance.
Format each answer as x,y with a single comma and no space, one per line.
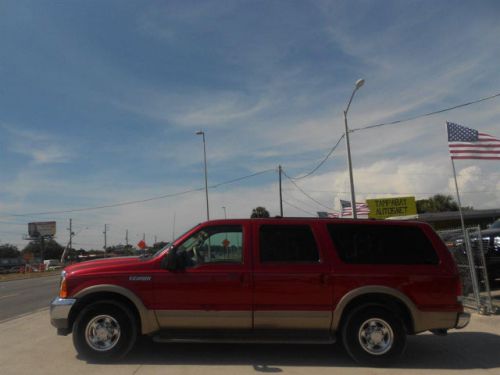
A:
375,336
102,333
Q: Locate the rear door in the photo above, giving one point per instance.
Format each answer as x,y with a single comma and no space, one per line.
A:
292,284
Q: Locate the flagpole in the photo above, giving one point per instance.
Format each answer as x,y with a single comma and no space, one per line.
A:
458,196
475,285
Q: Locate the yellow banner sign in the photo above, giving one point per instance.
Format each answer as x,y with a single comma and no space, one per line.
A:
387,207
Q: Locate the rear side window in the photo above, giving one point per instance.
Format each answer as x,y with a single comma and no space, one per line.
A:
382,244
287,243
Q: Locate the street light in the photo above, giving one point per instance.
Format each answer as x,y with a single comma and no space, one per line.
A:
202,133
359,83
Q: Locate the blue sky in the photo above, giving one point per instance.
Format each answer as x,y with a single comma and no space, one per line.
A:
100,100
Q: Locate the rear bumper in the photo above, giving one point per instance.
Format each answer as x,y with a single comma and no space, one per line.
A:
463,319
59,313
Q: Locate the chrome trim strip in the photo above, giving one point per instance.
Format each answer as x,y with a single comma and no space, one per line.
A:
63,301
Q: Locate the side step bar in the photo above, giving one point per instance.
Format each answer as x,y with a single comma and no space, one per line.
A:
244,337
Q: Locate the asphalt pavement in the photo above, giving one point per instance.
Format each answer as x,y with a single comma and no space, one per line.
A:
29,345
18,297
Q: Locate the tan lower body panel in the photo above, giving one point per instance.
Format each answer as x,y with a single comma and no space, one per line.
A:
424,321
187,319
315,320
193,319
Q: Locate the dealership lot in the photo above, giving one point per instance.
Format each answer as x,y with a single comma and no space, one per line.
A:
29,344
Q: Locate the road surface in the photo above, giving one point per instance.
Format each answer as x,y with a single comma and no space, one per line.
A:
18,297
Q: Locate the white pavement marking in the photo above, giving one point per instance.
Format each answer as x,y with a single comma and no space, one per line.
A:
9,295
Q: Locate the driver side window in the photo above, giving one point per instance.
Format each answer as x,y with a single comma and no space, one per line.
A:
219,244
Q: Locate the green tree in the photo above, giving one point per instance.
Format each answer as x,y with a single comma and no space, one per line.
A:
437,203
52,249
9,251
259,212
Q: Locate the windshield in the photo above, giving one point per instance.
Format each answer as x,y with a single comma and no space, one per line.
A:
495,225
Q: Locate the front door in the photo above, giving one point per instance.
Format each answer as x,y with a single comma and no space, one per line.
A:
215,290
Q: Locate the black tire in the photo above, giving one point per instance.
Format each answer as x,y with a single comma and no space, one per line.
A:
111,325
374,336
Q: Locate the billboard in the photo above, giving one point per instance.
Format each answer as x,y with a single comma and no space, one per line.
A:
387,207
42,228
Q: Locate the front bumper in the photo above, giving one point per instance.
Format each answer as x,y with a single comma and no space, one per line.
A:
59,313
463,319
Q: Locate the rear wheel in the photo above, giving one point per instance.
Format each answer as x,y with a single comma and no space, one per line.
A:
104,330
374,336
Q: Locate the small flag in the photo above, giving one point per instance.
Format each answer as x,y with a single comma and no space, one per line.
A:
467,143
361,208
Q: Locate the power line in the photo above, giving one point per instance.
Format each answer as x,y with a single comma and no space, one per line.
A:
11,223
307,195
425,114
298,208
322,161
400,193
120,204
393,123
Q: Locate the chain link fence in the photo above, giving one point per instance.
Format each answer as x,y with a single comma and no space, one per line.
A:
468,252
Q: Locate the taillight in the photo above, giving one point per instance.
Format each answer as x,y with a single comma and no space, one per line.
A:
459,289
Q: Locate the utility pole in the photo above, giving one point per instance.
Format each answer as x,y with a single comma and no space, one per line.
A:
105,239
155,239
281,194
359,83
126,237
42,250
71,234
173,230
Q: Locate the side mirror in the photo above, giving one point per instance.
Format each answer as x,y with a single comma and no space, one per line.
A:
173,261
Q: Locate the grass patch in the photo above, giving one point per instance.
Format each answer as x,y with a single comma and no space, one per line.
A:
28,275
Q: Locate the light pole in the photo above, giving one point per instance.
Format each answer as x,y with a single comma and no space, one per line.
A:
202,133
225,213
359,83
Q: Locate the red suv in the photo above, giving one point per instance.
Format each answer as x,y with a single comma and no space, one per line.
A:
283,280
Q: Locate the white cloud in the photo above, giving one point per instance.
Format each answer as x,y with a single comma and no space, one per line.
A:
40,147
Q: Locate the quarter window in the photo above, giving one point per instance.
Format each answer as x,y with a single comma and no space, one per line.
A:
287,243
382,244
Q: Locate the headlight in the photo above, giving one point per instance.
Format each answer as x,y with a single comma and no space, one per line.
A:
496,243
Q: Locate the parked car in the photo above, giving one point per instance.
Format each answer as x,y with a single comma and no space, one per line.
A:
367,283
490,245
52,265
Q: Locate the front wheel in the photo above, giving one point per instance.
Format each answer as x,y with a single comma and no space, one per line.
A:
374,336
104,331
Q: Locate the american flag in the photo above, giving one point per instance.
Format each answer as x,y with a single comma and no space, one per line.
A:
361,208
467,143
